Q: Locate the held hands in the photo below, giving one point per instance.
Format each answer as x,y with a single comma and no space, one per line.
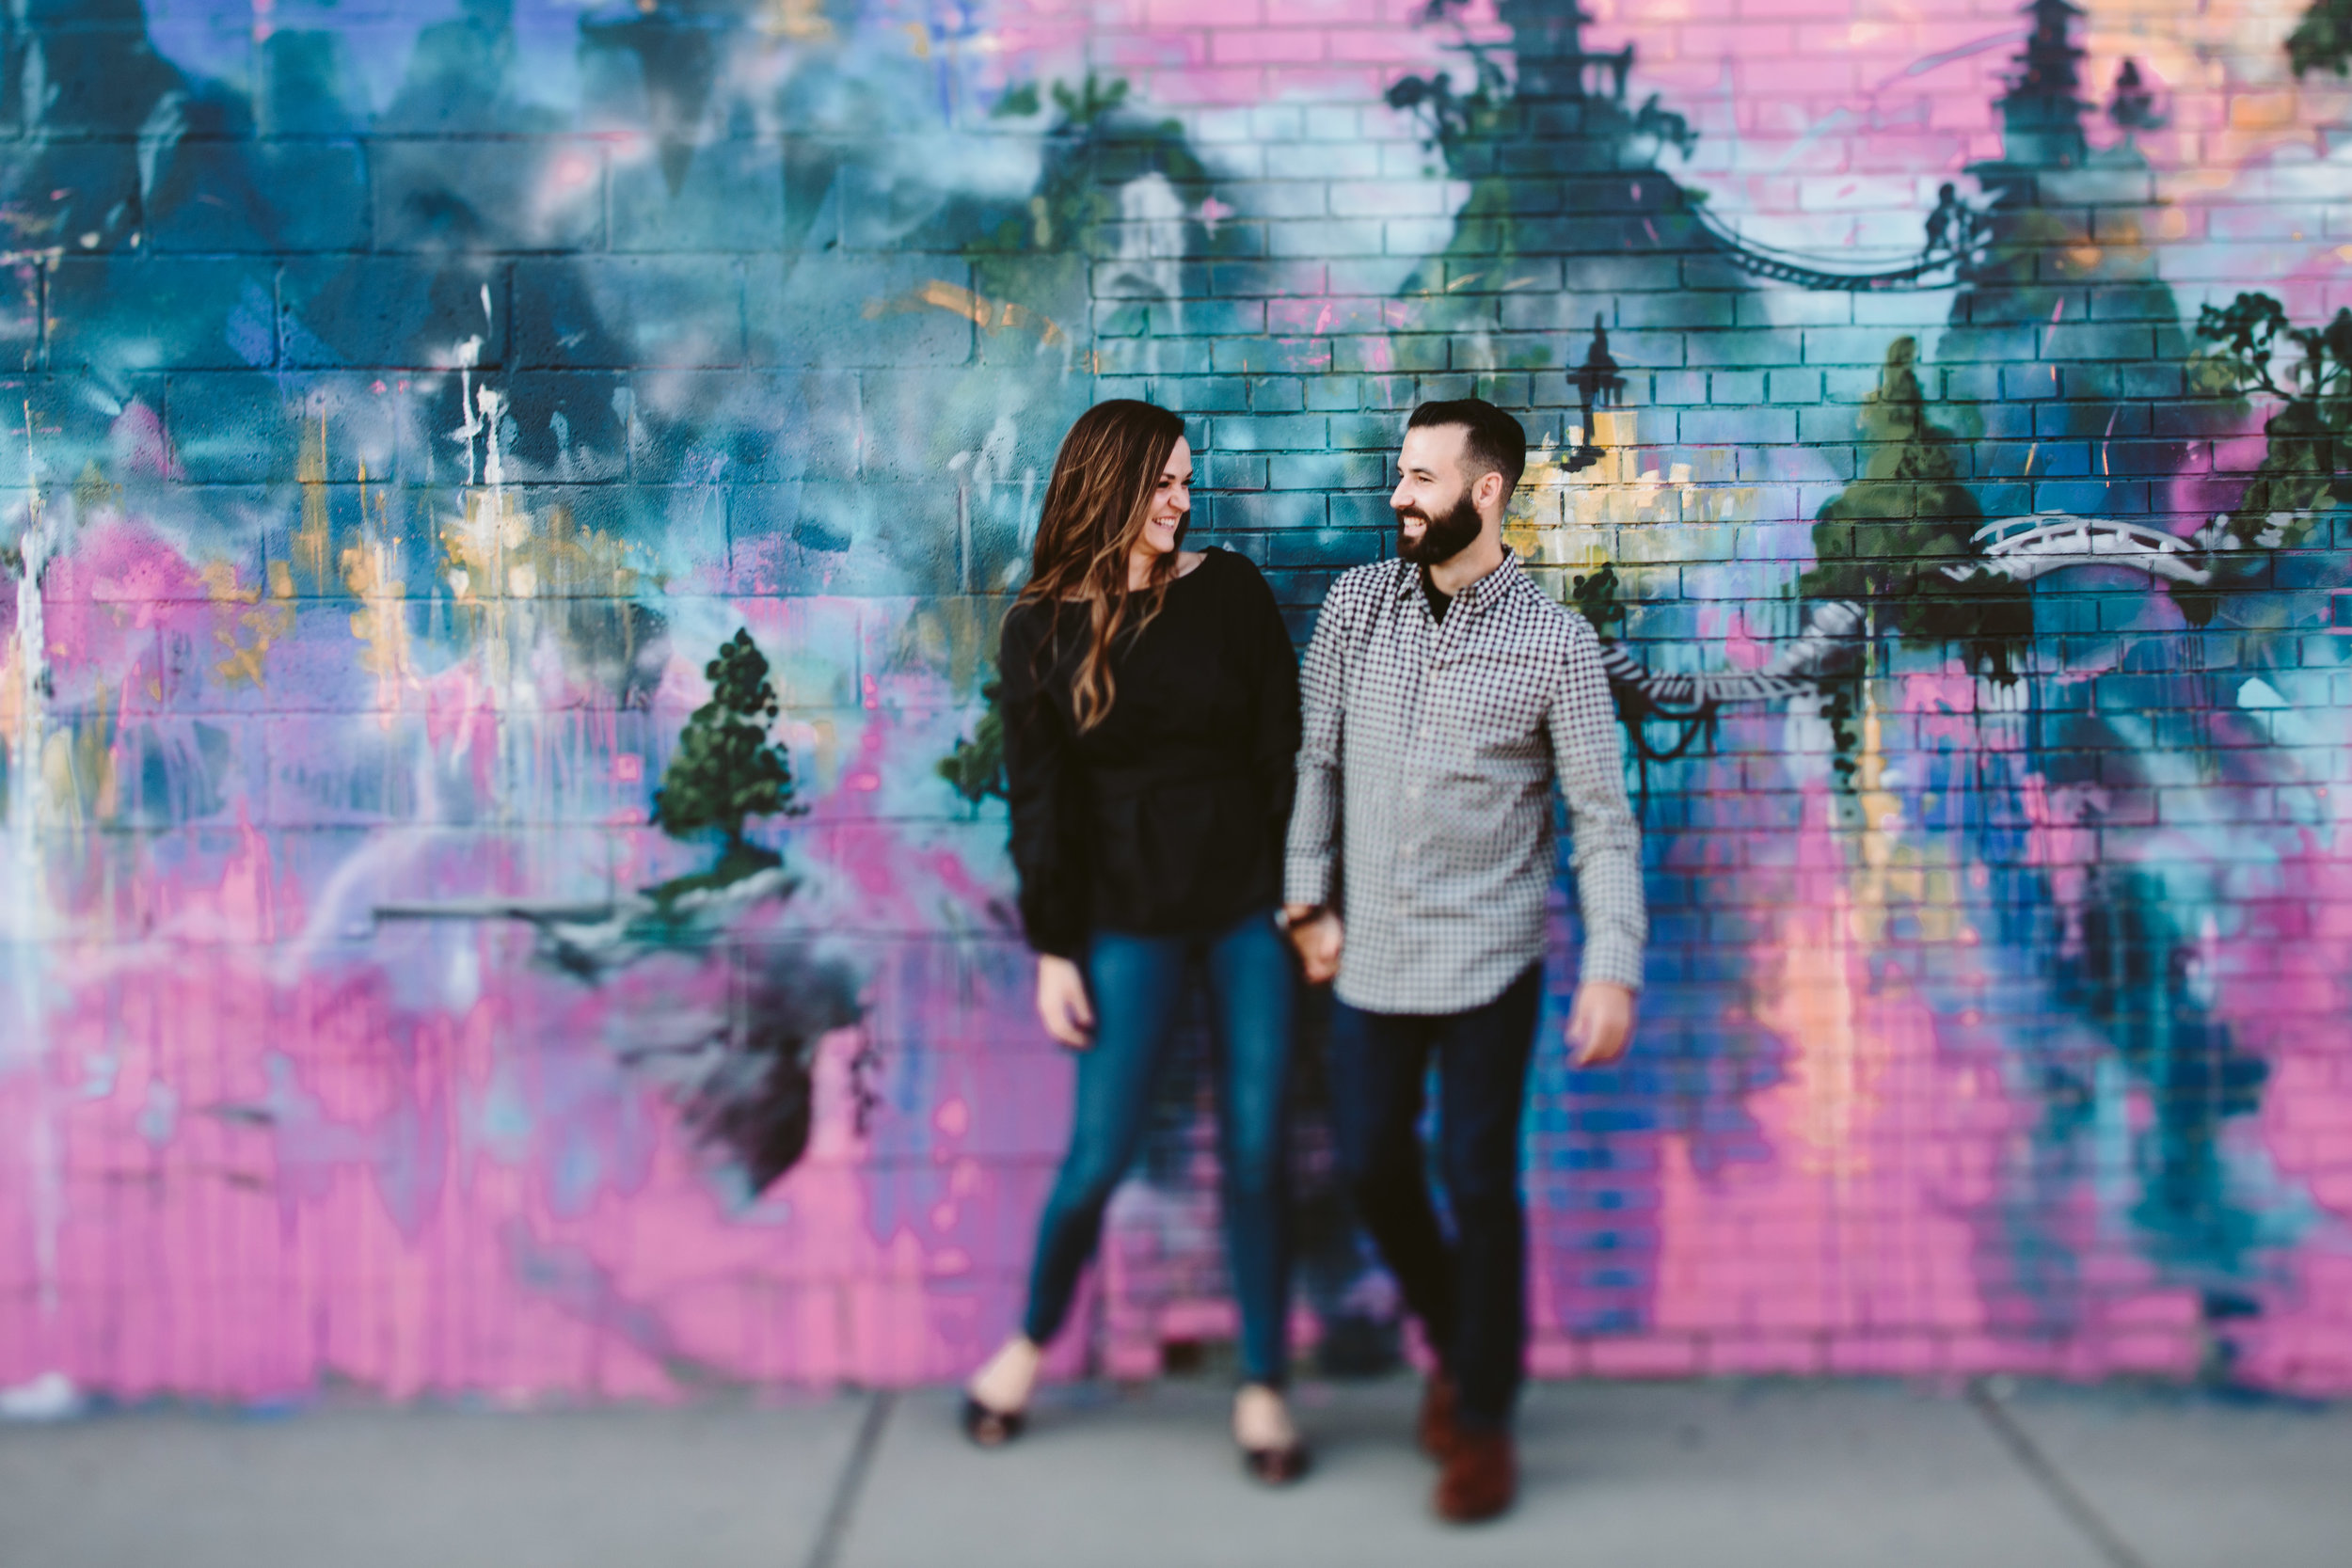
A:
1061,1002
1600,1023
1318,940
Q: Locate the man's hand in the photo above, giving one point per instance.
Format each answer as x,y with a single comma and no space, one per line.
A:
1318,939
1061,1002
1600,1023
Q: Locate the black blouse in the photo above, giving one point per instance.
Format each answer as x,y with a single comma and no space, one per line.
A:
1167,816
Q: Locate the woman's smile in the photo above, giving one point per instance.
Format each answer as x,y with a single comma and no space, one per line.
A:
1171,504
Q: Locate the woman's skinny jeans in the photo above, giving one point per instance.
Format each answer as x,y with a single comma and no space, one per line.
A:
1135,982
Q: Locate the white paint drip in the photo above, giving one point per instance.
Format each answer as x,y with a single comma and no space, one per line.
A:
495,532
981,474
491,405
1149,264
469,356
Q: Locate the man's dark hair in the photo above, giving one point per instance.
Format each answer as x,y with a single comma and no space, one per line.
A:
1498,442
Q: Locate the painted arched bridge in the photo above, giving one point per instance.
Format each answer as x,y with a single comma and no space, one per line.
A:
2019,548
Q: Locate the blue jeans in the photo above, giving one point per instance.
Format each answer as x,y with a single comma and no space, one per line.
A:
1135,982
1470,1293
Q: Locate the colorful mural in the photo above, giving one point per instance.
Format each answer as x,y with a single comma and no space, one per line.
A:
508,504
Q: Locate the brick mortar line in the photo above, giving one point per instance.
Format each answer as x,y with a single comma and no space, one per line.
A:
2070,1499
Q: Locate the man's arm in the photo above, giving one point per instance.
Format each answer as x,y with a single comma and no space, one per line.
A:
1607,854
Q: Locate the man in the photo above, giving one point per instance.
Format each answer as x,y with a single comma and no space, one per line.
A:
1444,694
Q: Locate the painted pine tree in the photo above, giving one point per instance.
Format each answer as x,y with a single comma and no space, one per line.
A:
728,771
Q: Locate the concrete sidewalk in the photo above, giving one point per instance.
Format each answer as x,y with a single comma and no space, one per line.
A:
1678,1475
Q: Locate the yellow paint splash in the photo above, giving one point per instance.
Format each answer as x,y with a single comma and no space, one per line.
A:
311,541
991,315
79,782
372,573
244,625
1575,519
801,21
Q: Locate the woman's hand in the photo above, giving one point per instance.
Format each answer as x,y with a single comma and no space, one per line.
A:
1061,1002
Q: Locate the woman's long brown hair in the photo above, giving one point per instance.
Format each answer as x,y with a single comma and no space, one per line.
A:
1095,508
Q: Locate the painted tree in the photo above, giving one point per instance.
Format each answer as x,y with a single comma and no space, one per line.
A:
2309,456
2132,106
2041,112
1558,165
975,768
2322,39
2042,289
2310,435
727,769
1885,540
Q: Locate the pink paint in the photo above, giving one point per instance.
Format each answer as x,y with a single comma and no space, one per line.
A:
372,1234
1845,1233
461,716
2284,995
2064,841
141,445
1740,650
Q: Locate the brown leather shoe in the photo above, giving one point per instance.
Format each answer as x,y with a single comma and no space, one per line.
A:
1480,1479
1435,1430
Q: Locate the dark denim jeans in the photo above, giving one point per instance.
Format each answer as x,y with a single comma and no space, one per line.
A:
1470,1293
1135,982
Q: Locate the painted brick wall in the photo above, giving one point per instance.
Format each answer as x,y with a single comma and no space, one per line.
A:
407,400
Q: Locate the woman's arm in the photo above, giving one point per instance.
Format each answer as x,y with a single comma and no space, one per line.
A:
1043,786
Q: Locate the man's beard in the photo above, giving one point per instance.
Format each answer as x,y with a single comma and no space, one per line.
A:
1442,538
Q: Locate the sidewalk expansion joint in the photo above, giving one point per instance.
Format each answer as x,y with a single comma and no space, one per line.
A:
2110,1543
843,1511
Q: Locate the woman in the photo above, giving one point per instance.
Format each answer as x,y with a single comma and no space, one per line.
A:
1151,704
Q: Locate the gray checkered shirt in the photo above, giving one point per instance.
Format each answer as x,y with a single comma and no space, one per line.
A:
1427,766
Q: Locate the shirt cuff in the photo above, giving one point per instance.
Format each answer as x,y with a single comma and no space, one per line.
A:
1613,960
1306,880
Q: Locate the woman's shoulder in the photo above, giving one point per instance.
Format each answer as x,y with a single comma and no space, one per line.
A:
1032,618
1022,623
1029,626
1232,569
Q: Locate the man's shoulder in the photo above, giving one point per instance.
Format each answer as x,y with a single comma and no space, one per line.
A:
1359,588
1537,614
1373,576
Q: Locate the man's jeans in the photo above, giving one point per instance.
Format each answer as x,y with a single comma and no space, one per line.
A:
1470,1296
1134,983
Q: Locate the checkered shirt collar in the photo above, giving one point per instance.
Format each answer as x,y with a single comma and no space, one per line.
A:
1492,586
